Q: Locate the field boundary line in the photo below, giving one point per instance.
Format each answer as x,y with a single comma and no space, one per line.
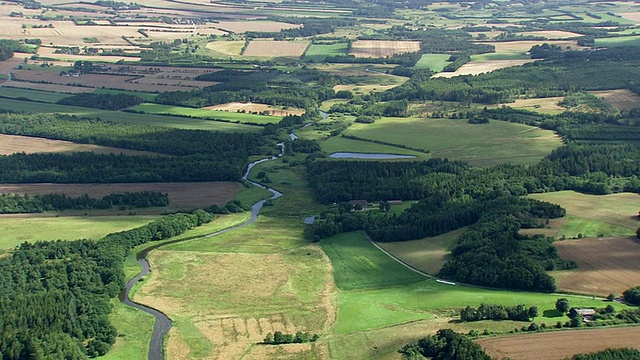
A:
400,260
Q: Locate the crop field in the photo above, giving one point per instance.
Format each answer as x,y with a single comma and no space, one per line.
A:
605,265
547,105
255,107
481,67
11,144
382,48
225,296
127,117
526,45
633,16
230,48
182,196
275,48
594,215
258,25
428,254
553,34
58,88
159,109
622,99
17,229
480,144
560,345
318,52
434,62
9,64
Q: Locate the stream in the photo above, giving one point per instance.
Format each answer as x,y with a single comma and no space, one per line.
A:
163,323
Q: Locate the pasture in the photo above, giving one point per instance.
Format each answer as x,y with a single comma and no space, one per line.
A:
622,99
560,345
428,254
127,117
341,144
182,196
478,144
11,144
593,215
433,62
618,41
275,48
375,300
34,95
17,229
358,264
205,113
605,265
318,52
382,48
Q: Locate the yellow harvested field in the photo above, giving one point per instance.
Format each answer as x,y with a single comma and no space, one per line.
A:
253,107
560,344
481,67
364,89
605,265
182,196
258,25
510,47
553,34
226,47
11,144
275,48
383,48
547,105
622,99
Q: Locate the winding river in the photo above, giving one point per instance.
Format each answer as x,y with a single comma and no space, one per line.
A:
163,323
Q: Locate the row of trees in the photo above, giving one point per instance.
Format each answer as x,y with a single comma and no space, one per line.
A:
16,203
55,299
498,312
102,101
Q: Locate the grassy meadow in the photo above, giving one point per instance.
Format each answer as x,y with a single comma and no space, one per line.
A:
159,109
478,144
318,52
594,215
34,95
18,229
433,62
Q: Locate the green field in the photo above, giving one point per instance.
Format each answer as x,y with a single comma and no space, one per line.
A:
359,265
149,108
428,254
35,95
618,41
593,215
320,52
16,230
434,62
480,144
126,117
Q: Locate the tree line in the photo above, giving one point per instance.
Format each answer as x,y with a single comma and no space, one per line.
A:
102,101
56,295
16,203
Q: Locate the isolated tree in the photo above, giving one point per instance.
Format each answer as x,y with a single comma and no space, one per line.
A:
562,305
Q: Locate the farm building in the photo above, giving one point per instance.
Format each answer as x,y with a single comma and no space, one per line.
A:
587,314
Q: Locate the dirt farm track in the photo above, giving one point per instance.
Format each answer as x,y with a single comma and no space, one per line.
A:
557,345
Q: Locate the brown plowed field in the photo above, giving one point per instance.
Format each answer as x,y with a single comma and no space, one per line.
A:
558,345
11,144
605,265
182,196
383,48
622,99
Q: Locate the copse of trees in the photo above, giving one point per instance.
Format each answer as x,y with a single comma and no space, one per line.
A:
498,312
610,354
299,337
16,203
56,295
632,296
445,344
102,101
